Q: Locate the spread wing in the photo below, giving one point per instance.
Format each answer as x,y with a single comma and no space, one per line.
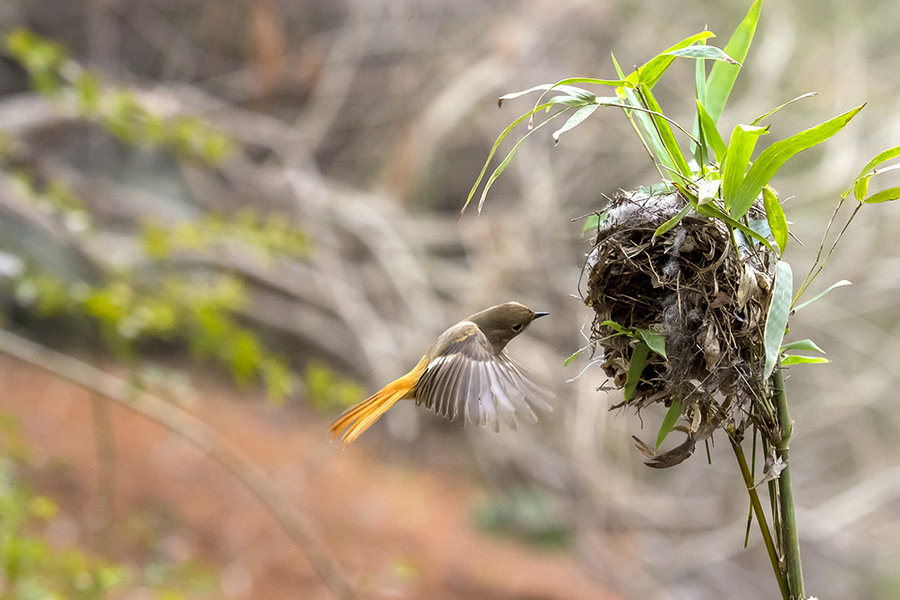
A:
468,380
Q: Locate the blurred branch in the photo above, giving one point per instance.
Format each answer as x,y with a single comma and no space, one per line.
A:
250,474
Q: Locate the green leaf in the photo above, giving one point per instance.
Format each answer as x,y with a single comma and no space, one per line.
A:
664,130
776,219
575,120
838,284
796,359
505,162
669,421
708,190
710,210
574,355
673,221
780,106
884,196
777,317
773,158
635,368
656,341
493,151
723,75
617,328
702,52
861,183
650,72
740,149
710,133
806,344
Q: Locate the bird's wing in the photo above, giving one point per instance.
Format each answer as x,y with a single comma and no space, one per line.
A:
466,379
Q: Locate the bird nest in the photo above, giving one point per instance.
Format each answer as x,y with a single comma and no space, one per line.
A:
706,291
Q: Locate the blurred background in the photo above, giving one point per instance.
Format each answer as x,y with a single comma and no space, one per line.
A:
237,218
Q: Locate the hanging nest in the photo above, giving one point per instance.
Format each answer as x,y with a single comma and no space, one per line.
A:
706,293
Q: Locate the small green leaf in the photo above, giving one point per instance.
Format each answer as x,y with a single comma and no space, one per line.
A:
664,129
669,421
773,158
635,368
708,190
861,183
776,219
656,341
669,224
884,196
807,344
723,75
796,359
838,284
777,317
650,72
493,151
618,328
702,52
780,106
710,133
740,149
574,355
575,120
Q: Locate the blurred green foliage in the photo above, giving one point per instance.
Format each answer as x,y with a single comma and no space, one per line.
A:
33,569
117,109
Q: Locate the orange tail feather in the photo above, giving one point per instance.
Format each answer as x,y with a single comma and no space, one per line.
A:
357,419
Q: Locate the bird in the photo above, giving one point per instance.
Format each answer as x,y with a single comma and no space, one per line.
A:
465,373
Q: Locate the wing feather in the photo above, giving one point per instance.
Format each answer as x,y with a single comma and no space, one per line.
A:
465,378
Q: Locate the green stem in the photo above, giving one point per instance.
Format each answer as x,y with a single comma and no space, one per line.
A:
760,517
785,496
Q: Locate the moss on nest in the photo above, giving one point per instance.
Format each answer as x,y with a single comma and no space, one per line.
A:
706,292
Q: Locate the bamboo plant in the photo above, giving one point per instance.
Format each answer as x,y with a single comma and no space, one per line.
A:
688,278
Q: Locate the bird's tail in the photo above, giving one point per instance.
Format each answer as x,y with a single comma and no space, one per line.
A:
357,419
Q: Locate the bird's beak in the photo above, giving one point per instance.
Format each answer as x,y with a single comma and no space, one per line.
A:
538,315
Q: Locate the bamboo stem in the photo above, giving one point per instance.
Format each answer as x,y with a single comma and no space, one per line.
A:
790,537
760,517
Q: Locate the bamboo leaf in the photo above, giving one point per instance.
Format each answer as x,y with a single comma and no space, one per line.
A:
861,183
884,196
779,107
796,359
772,158
710,133
702,52
650,72
723,75
656,341
575,120
740,149
505,162
775,217
664,129
807,345
618,328
708,190
669,224
669,421
635,368
493,151
777,317
838,284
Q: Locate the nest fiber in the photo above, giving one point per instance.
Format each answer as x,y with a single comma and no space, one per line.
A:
706,290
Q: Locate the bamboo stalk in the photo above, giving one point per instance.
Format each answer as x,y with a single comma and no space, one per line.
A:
793,567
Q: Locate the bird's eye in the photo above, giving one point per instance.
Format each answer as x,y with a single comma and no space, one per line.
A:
517,327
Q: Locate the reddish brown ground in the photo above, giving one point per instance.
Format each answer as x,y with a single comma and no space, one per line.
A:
400,529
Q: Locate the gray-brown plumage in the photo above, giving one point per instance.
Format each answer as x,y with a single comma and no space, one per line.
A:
465,373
